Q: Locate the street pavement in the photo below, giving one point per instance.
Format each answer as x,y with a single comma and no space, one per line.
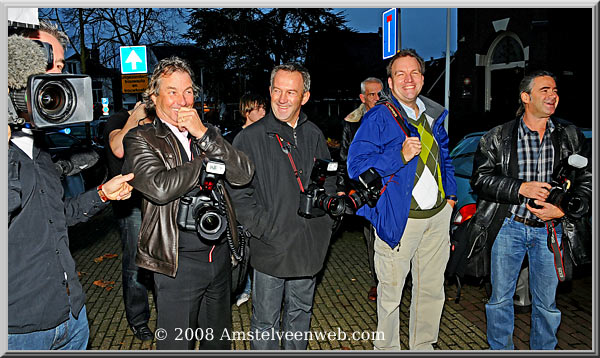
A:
341,309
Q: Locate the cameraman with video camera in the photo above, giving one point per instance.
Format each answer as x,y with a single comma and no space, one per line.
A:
187,218
46,303
513,168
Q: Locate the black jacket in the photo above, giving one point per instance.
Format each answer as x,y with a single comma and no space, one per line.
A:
351,124
153,154
495,175
40,265
284,244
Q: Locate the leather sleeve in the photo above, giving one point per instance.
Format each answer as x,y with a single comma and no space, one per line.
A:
487,180
239,169
157,182
342,173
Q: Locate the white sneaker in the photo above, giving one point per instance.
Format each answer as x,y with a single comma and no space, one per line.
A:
243,298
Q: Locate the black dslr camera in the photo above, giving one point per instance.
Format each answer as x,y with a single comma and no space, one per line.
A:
203,209
367,190
314,201
572,205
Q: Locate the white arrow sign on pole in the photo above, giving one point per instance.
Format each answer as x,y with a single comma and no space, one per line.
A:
133,59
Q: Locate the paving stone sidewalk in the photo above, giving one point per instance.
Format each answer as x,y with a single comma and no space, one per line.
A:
340,303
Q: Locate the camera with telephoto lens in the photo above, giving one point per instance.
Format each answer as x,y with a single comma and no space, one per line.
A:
314,201
560,195
203,209
367,190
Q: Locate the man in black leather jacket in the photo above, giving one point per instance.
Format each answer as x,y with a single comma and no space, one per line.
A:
369,95
514,163
167,158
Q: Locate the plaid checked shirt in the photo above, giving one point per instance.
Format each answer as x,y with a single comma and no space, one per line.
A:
535,161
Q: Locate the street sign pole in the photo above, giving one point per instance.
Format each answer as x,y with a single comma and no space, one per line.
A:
399,30
447,79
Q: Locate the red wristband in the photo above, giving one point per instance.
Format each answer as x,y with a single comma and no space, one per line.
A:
103,196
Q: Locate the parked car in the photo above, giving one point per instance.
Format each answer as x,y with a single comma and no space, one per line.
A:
462,160
89,160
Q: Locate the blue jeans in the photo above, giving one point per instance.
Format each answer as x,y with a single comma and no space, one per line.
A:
135,293
268,293
73,334
512,243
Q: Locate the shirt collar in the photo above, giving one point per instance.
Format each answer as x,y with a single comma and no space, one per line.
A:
411,112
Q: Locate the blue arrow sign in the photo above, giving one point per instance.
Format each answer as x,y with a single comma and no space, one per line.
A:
104,101
133,59
390,33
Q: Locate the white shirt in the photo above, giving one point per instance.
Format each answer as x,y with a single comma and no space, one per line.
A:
24,140
182,137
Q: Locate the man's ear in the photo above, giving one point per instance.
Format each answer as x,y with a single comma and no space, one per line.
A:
305,97
525,97
362,98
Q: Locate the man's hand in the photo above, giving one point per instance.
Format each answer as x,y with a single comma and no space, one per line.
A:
117,188
188,119
411,148
547,212
535,190
9,134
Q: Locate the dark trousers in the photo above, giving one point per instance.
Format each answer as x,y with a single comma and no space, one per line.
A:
369,233
195,304
135,292
268,294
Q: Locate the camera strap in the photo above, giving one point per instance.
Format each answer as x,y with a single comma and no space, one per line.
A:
287,150
555,248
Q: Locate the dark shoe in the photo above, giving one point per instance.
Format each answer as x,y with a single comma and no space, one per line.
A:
142,332
373,293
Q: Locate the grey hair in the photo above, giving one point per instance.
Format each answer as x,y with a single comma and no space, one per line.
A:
165,67
293,67
363,84
404,53
49,28
526,85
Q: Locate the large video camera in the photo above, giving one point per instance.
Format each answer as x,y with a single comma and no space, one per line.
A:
314,201
47,99
560,195
203,209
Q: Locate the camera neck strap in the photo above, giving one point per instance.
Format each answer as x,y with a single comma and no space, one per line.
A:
397,116
555,248
287,150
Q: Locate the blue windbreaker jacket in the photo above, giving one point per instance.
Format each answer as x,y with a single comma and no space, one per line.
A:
377,144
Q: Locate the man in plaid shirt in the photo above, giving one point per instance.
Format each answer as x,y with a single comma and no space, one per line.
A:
513,165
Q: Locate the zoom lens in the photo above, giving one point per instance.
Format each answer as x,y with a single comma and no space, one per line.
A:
210,222
56,100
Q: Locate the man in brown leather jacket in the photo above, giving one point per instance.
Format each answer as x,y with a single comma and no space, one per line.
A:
167,158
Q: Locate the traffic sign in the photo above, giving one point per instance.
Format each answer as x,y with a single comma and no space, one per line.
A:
133,59
390,33
135,83
104,101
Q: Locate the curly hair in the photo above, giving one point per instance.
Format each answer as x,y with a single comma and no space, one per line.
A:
165,67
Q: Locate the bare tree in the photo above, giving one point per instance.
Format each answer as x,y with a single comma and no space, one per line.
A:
110,28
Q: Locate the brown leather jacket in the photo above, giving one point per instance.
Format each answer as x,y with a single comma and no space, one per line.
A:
153,155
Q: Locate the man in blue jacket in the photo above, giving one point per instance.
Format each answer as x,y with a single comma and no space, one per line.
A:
403,138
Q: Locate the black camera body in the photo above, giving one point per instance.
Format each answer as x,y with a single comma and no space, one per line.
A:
203,209
367,190
560,194
314,201
55,99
